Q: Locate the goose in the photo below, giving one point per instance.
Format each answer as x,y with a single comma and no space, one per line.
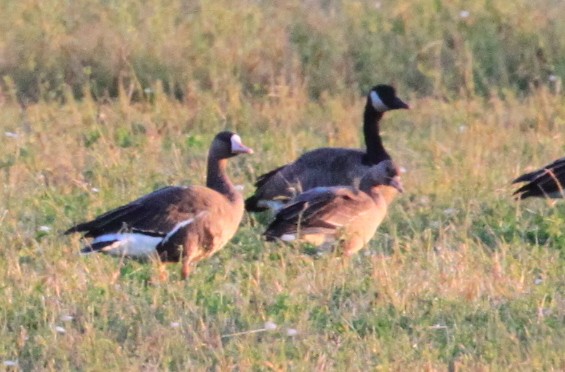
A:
546,182
347,214
328,166
175,223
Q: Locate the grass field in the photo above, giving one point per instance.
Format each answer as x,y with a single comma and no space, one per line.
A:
103,102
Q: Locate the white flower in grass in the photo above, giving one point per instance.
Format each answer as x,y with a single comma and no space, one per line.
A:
538,281
269,326
438,326
464,14
11,134
95,190
291,332
450,211
553,77
67,318
60,330
174,324
44,228
10,363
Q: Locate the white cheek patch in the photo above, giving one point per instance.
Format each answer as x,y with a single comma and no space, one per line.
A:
235,140
377,102
237,146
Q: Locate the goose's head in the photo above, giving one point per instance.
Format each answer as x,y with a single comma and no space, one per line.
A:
228,144
383,98
385,173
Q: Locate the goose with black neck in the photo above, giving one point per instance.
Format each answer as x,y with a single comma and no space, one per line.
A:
328,166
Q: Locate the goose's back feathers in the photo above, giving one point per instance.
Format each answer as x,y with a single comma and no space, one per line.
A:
321,167
163,219
322,209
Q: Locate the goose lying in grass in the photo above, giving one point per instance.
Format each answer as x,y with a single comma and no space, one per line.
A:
347,214
547,182
177,223
328,166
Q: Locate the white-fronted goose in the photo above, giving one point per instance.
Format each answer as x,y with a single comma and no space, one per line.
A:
177,223
547,182
328,166
346,214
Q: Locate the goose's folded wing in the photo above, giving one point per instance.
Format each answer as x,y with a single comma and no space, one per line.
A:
320,209
546,182
154,214
528,177
264,178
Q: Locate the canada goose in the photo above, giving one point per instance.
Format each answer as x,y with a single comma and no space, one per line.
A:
351,215
547,182
191,222
328,166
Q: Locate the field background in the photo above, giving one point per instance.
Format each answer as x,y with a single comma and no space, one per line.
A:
103,101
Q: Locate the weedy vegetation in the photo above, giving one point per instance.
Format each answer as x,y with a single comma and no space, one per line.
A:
104,101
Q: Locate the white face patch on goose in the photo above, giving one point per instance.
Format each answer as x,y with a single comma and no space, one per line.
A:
377,102
237,147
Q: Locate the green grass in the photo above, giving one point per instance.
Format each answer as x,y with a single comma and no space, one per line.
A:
53,48
458,277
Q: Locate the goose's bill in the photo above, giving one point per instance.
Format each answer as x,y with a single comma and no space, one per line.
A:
399,104
242,149
397,184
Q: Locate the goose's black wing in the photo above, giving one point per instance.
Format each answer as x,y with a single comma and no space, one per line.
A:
547,182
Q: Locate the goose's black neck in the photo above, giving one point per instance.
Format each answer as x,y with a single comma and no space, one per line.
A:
375,149
217,178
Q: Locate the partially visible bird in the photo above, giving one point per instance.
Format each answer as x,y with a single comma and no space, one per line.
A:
328,166
547,182
176,223
347,214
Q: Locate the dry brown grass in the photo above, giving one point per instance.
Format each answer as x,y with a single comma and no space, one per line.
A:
459,276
